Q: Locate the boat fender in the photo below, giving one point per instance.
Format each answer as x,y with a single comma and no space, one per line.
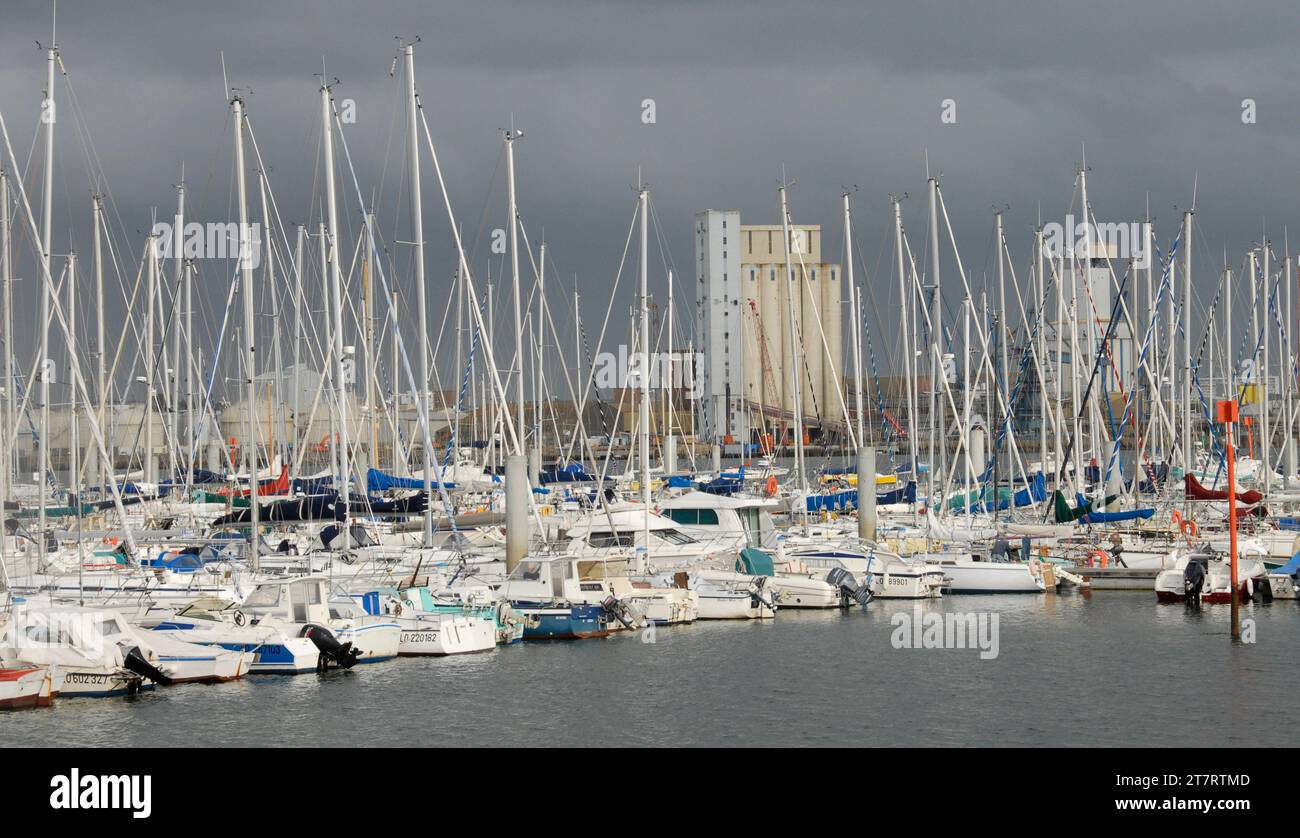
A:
329,647
135,661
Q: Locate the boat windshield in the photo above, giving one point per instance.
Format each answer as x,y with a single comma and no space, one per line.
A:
674,537
611,539
264,596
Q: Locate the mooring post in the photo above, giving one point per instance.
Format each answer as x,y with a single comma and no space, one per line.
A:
867,493
517,489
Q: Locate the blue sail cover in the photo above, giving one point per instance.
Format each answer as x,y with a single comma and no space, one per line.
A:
572,473
1292,567
1036,493
721,486
378,481
1113,517
313,485
848,499
201,476
907,494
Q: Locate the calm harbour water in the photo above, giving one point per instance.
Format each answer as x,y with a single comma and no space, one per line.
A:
1110,669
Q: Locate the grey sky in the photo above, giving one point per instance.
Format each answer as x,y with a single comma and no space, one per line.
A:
841,94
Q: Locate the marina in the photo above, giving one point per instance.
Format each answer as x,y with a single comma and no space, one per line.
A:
698,686
315,446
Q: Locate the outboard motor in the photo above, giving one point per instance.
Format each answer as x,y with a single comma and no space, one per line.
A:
134,660
341,654
618,610
756,597
848,587
1194,578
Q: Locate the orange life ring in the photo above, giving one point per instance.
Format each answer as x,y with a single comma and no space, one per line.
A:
1098,558
771,486
1178,520
1190,529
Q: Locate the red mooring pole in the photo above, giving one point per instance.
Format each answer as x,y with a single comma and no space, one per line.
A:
1228,416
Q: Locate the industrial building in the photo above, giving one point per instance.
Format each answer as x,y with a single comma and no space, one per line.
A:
764,323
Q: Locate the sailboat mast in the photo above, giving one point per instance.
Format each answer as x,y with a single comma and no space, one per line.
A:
299,253
250,365
540,328
336,303
150,359
1187,344
417,223
936,354
1265,450
856,331
74,455
174,381
511,136
644,373
909,355
1040,312
796,365
47,221
667,382
1002,338
1288,436
6,276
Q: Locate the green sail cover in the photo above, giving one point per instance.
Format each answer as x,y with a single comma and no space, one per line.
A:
958,503
1066,515
755,563
213,497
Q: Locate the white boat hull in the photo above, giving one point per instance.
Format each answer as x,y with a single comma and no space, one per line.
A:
445,634
972,577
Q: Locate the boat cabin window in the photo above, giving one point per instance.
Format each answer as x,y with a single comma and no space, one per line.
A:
559,572
611,539
345,609
752,520
674,536
107,627
303,595
528,571
38,633
694,517
264,596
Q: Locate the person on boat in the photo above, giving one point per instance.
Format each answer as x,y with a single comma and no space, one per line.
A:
1117,549
999,551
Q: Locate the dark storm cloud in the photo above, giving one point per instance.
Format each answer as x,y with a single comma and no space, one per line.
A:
841,94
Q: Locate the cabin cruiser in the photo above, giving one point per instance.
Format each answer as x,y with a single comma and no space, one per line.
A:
214,622
558,600
733,522
101,654
613,530
430,628
341,630
886,574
